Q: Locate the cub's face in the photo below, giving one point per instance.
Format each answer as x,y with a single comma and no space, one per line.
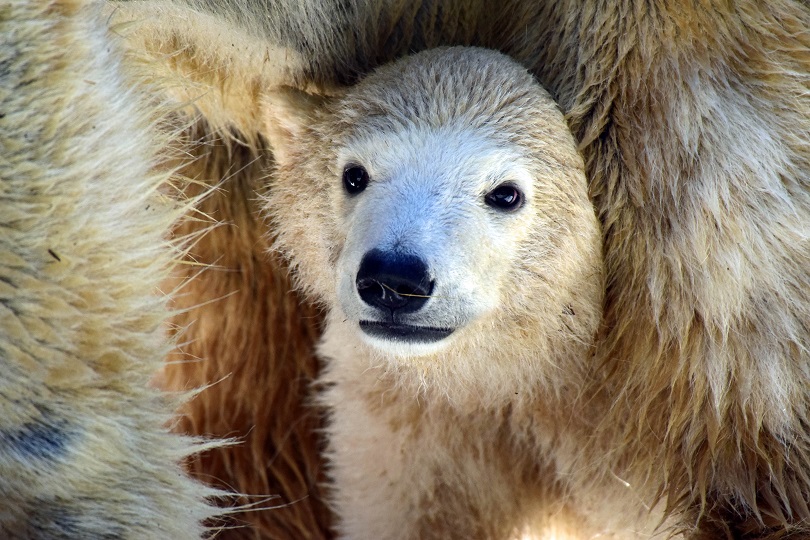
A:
432,228
439,203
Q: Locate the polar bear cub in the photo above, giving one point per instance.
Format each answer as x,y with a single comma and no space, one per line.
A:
439,211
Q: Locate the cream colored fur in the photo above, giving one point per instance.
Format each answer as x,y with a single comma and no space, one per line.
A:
85,447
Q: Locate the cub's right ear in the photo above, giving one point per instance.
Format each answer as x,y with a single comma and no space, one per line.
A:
287,111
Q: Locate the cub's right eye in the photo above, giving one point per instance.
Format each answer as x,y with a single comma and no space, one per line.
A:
355,179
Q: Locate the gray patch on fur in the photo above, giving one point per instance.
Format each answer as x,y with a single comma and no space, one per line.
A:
40,440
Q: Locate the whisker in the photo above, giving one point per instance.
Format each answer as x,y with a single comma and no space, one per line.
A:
409,294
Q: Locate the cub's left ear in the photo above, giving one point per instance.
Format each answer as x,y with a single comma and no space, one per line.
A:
287,111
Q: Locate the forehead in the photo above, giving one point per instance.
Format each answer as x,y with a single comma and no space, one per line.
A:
450,150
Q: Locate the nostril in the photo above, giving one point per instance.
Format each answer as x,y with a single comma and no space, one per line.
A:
393,281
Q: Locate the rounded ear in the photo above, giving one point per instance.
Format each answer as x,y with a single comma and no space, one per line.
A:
286,112
207,60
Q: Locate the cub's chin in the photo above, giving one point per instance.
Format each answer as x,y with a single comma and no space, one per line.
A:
405,340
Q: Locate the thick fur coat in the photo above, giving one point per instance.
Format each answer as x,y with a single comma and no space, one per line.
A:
85,443
692,120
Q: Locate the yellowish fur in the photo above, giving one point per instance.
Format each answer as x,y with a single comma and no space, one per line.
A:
85,447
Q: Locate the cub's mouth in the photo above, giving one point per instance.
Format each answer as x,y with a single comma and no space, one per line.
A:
404,332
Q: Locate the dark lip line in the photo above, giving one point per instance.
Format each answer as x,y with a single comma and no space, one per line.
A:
383,324
406,333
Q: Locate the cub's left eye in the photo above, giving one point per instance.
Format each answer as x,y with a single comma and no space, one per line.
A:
505,197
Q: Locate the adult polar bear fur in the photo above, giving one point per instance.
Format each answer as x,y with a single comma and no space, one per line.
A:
460,324
85,449
692,118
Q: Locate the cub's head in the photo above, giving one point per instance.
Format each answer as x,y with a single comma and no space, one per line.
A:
439,204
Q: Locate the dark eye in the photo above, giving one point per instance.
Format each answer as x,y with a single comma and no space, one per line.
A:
355,179
505,197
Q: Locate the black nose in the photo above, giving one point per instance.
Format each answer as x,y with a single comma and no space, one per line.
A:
393,281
